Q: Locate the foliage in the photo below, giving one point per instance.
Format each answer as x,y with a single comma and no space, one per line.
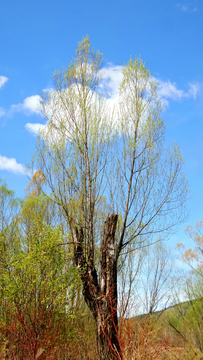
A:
116,187
194,257
35,185
36,282
89,152
188,322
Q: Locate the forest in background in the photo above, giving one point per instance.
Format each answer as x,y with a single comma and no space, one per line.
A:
84,254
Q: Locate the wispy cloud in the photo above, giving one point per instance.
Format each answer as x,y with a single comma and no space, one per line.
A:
11,165
30,105
35,128
183,8
2,112
3,80
193,90
187,6
167,90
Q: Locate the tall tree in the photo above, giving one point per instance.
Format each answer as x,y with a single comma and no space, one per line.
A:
105,165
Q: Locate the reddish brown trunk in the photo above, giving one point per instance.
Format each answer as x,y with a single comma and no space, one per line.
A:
101,298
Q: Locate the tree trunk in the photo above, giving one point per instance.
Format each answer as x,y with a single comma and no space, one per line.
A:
101,298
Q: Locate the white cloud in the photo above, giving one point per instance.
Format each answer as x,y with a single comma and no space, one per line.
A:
3,80
187,6
61,116
35,128
183,7
10,164
168,90
112,77
48,90
193,90
2,112
30,105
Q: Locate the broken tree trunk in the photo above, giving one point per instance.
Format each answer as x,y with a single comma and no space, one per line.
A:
101,298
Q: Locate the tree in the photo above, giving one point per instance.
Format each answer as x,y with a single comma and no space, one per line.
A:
103,166
190,324
193,319
129,271
185,318
156,278
36,283
193,257
9,211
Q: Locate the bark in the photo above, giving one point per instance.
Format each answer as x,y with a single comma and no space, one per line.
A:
101,298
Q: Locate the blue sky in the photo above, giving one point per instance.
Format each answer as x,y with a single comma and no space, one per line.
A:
38,37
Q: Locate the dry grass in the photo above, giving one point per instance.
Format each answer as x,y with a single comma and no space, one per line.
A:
139,340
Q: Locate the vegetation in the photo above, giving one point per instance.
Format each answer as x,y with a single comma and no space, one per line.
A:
108,172
86,242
